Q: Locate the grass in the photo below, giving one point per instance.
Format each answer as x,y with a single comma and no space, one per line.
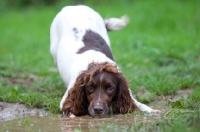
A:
157,51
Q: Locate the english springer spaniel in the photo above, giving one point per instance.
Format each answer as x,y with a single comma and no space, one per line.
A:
81,50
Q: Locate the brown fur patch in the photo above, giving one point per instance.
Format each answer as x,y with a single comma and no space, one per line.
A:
93,41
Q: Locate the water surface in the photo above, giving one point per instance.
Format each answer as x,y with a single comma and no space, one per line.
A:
49,122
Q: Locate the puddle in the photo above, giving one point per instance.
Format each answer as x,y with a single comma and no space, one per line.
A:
38,120
84,123
9,111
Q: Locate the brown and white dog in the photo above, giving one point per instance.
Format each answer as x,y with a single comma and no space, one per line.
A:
81,50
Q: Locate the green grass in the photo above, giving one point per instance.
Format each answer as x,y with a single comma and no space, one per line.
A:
159,51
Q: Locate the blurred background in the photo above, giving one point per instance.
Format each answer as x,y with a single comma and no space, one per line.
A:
24,3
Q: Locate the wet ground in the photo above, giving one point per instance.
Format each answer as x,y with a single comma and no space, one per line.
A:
18,118
10,111
56,123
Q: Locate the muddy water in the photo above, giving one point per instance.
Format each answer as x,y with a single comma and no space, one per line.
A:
43,121
28,120
85,123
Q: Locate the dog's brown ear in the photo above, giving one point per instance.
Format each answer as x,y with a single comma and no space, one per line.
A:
123,102
76,101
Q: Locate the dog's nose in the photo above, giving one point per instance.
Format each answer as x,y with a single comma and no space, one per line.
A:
98,109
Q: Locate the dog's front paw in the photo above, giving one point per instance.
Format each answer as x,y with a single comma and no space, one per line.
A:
72,116
66,113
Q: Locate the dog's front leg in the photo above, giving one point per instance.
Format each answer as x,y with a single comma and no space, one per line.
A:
142,107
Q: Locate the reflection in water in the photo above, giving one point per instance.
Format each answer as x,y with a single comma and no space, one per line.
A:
84,123
43,121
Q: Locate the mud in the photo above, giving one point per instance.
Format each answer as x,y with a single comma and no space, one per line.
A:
181,93
22,79
9,111
16,117
84,123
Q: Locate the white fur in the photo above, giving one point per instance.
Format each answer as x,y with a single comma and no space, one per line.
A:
116,23
64,44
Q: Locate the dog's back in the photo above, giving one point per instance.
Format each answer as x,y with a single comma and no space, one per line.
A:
67,33
70,25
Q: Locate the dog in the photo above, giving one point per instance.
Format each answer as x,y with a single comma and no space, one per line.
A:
80,48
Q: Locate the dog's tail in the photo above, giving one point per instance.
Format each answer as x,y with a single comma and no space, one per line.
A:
113,24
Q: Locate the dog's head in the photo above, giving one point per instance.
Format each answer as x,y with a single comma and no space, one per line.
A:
99,90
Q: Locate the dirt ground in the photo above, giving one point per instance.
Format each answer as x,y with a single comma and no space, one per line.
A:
9,111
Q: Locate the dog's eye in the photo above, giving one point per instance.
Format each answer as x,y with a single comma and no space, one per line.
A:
110,89
90,89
